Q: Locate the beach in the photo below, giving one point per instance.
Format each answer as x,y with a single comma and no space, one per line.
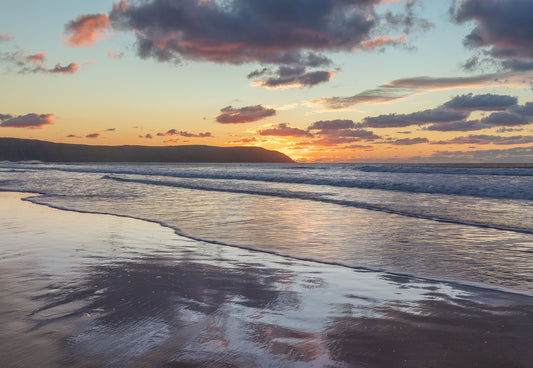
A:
88,290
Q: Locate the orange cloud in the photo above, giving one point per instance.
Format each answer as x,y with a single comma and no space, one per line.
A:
86,29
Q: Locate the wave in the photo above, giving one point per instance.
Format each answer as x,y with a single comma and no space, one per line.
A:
319,197
35,200
508,183
489,170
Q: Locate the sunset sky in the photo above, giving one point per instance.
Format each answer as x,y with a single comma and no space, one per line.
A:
319,80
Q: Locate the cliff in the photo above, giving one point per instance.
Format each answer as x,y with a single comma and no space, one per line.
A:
14,149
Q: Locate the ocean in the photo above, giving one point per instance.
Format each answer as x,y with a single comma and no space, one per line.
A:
464,224
266,265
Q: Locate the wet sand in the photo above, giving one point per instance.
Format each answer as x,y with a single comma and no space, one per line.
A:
83,290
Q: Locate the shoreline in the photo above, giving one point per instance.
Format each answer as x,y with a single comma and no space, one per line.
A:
90,290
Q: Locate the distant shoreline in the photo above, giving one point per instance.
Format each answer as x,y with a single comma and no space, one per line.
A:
15,149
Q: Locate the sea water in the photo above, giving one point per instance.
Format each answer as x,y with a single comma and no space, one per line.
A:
467,224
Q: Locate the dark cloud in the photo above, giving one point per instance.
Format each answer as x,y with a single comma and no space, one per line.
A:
517,154
284,130
292,32
93,135
31,121
505,118
73,136
356,134
248,114
286,77
5,117
507,130
518,65
111,130
415,118
505,28
332,124
85,29
489,139
407,141
460,126
525,110
486,102
182,133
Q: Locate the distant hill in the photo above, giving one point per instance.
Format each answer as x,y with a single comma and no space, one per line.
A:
14,149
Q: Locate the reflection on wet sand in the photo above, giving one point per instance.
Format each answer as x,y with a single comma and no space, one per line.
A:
118,292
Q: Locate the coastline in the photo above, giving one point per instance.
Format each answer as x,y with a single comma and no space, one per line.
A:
89,290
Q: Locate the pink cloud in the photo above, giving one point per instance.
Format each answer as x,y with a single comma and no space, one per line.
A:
86,29
113,54
382,41
30,121
4,37
69,69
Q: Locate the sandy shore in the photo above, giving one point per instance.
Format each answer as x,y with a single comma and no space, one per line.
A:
82,290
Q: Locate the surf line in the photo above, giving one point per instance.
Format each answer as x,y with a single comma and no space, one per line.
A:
319,197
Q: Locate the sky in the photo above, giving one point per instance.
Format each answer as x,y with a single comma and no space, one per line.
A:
319,80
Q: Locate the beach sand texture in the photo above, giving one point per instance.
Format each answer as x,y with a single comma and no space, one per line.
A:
84,290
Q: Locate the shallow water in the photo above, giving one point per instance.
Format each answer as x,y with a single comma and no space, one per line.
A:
471,225
83,290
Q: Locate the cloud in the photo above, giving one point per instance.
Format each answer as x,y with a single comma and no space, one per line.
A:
93,135
69,69
290,77
73,136
181,133
489,139
252,140
113,54
110,129
248,114
407,141
34,63
496,119
507,130
338,132
86,29
31,121
294,32
383,41
503,28
415,118
332,124
5,117
525,110
284,130
146,136
4,37
402,88
486,102
460,126
517,154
